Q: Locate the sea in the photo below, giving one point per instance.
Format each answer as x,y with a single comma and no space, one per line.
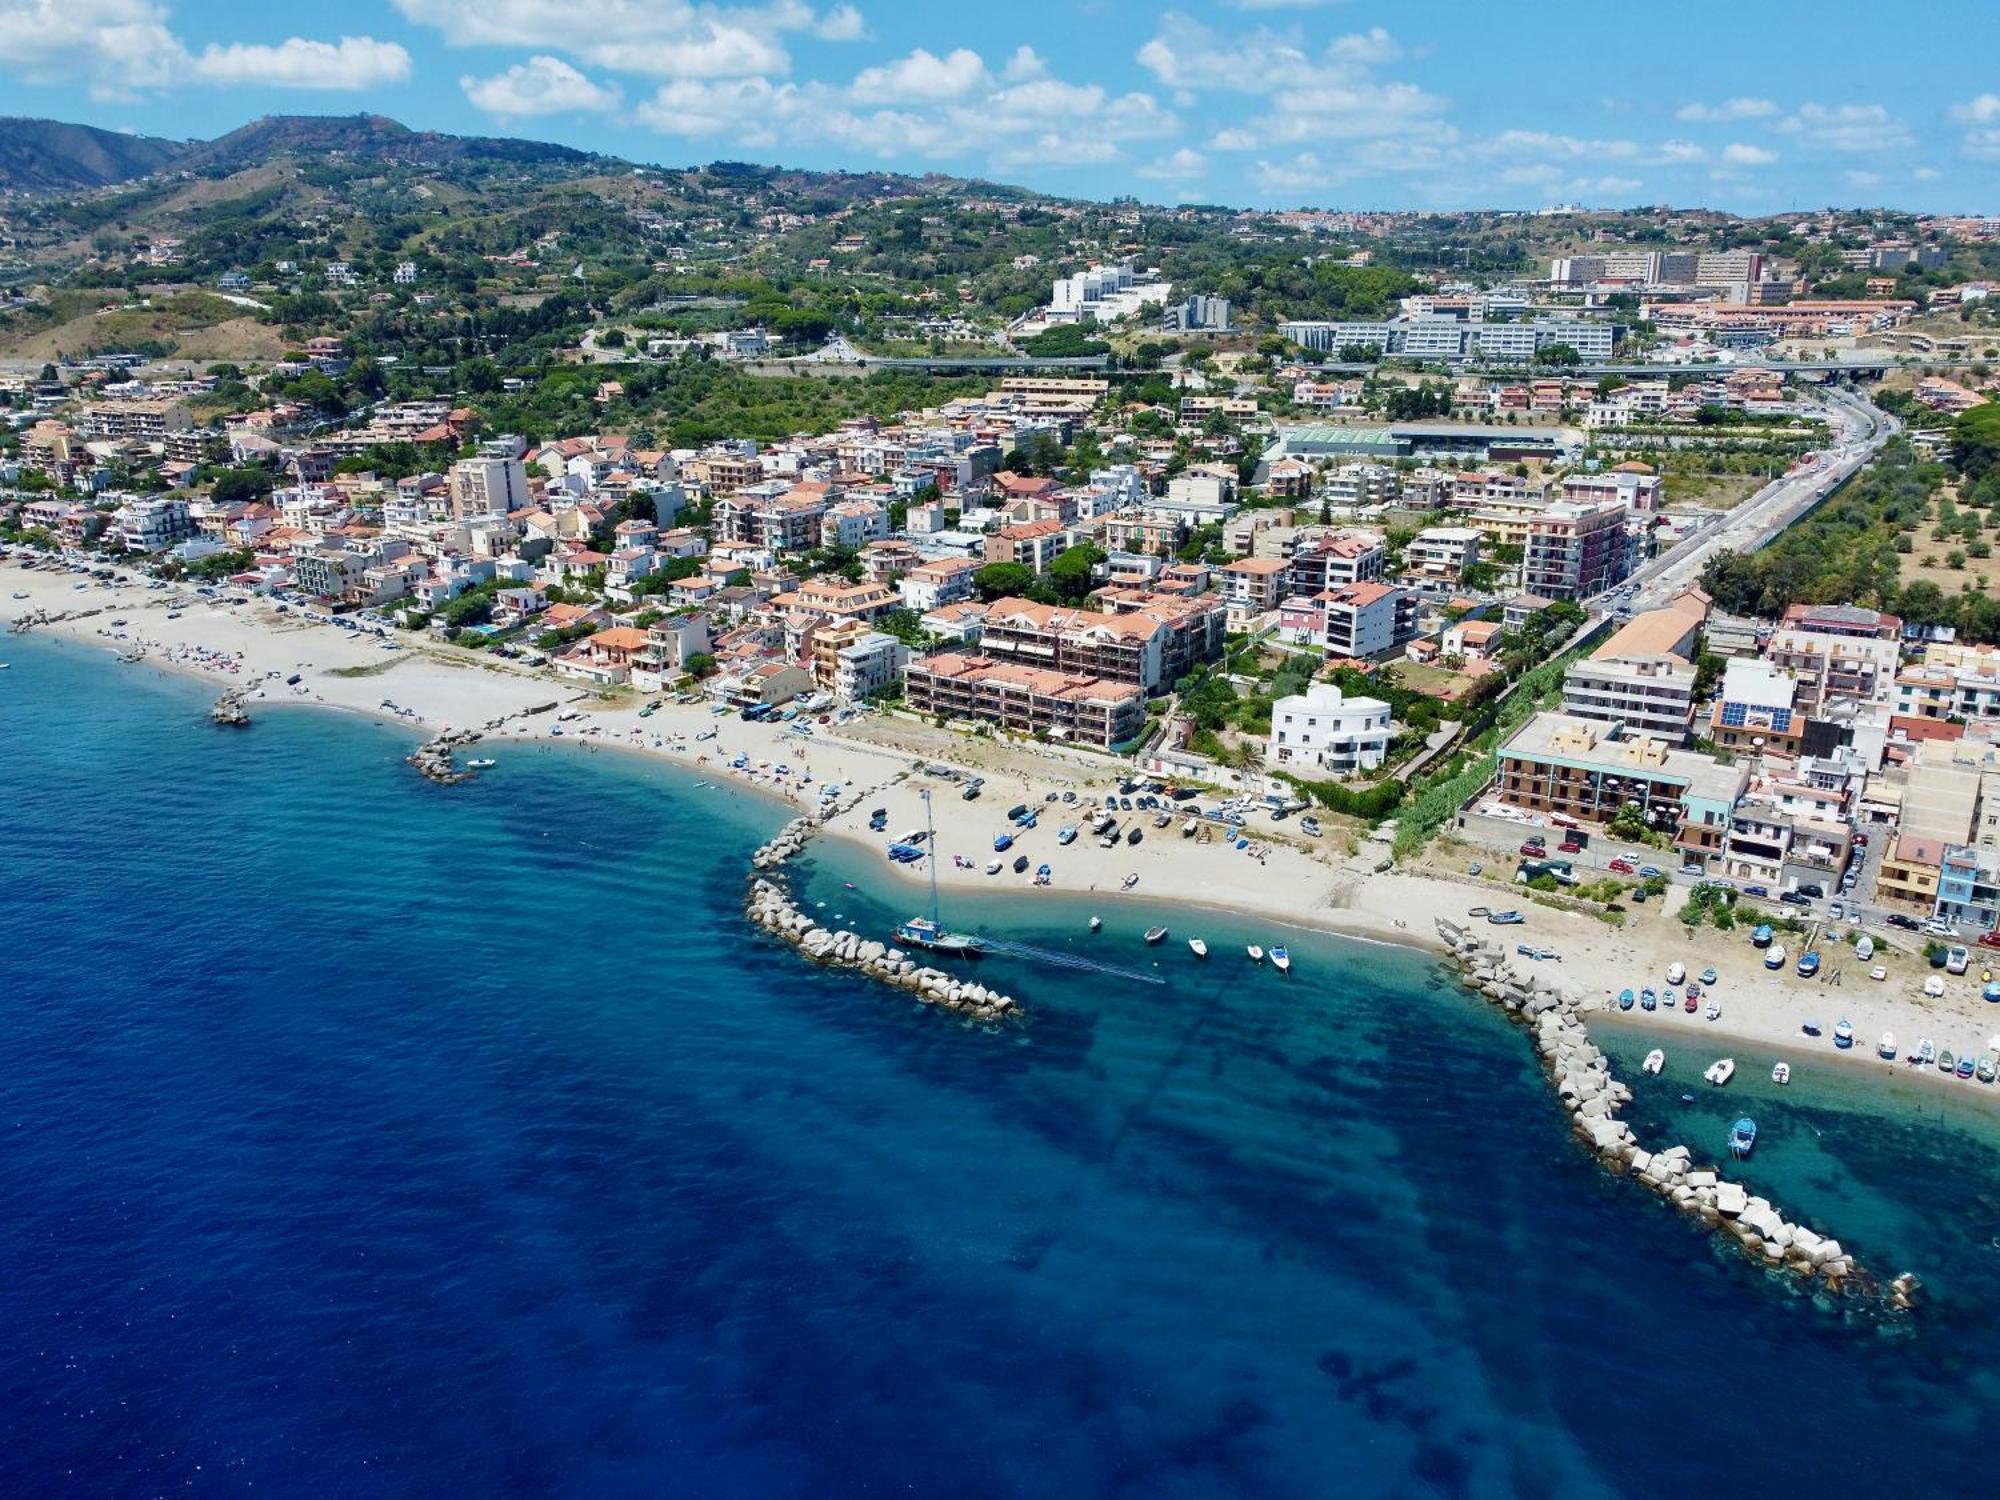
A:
366,1137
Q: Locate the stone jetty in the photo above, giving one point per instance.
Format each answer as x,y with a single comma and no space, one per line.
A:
231,708
771,908
1581,1076
434,756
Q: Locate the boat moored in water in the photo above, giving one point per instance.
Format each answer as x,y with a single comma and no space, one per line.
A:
1655,1060
1720,1071
1742,1138
1256,953
1197,947
1781,1072
1155,934
1095,923
1281,960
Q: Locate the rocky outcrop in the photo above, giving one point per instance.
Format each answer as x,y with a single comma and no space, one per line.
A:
231,709
771,908
1581,1076
434,757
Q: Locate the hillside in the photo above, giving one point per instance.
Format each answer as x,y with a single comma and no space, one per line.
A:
51,156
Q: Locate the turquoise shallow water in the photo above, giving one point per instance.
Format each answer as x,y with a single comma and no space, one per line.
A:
367,1137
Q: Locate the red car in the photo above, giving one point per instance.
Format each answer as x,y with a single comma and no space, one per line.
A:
1571,846
1989,939
1690,1006
1623,867
1534,851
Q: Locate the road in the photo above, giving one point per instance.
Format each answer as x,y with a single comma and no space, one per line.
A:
1863,431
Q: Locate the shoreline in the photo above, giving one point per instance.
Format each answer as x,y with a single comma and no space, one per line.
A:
1304,886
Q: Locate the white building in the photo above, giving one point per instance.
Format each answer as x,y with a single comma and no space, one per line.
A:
1441,553
1323,729
871,666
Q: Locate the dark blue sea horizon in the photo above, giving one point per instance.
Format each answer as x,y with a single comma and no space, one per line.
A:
365,1137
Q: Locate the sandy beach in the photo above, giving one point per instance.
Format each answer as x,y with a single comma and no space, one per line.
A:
1283,876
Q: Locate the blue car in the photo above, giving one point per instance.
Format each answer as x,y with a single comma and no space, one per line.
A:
1649,871
1756,890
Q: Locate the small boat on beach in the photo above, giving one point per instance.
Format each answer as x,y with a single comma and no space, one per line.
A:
1065,834
1886,1048
1256,953
1020,864
1043,874
1708,976
1761,938
1676,972
1155,934
1947,1061
993,867
1714,1011
1864,948
1648,1000
1198,948
1655,1060
1625,998
1129,881
1281,960
1933,987
1720,1071
1742,1138
1809,1026
1926,1053
1988,1068
1774,956
1843,1033
1880,971
1781,1072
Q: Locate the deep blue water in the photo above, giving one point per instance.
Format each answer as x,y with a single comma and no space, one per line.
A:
364,1137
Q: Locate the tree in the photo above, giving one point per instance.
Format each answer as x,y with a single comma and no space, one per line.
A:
1975,441
1558,354
1072,572
700,664
1002,579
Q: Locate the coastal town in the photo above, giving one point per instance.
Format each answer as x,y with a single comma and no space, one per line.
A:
1460,648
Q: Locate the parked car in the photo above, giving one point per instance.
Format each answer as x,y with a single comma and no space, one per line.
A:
1812,892
1650,871
1989,939
1835,912
1756,890
1897,919
1795,898
1571,846
1692,869
1623,867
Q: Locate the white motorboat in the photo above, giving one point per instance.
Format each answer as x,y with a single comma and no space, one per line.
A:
1655,1060
1095,923
1774,956
1155,934
1781,1072
1864,949
1880,971
1256,953
1934,986
1676,972
1887,1046
1926,1052
1197,947
1714,1011
992,867
1721,1071
1281,960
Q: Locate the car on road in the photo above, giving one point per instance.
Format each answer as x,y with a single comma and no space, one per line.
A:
1692,869
1651,871
1813,891
1835,912
1795,898
1622,867
1756,890
1908,924
1571,846
1533,851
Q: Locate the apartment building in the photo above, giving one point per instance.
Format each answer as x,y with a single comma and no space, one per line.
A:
142,421
1838,654
945,581
1326,562
1125,648
1026,700
869,667
853,524
1033,544
1970,694
1322,729
782,520
1196,623
152,525
1253,587
1575,768
1756,709
489,485
1575,551
1649,694
1361,621
1360,484
1632,485
1441,554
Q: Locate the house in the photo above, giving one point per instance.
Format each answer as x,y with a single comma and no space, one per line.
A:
945,581
1038,701
1033,544
1322,729
670,641
604,658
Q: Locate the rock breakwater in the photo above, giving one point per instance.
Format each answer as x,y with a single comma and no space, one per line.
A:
771,908
1581,1076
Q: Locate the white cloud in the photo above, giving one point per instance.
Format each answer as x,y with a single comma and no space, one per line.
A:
1863,179
922,76
352,63
542,85
1728,109
120,48
1231,139
1026,63
1176,166
658,38
841,24
1927,174
1051,149
1739,154
1977,111
705,107
1850,129
1373,46
1301,174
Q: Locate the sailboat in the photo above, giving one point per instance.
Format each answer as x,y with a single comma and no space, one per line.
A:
928,932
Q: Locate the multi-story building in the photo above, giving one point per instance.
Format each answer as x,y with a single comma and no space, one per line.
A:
153,524
1441,554
1033,544
1579,769
1128,648
1197,625
1577,550
145,421
1360,484
1649,694
1323,729
1929,690
1632,485
1328,562
1254,586
784,519
1756,709
869,667
852,524
945,581
1838,654
489,485
1026,700
1361,621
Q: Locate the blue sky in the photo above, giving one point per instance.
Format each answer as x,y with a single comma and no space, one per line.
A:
1278,103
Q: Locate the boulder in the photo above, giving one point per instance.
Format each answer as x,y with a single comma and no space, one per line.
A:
1730,1198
